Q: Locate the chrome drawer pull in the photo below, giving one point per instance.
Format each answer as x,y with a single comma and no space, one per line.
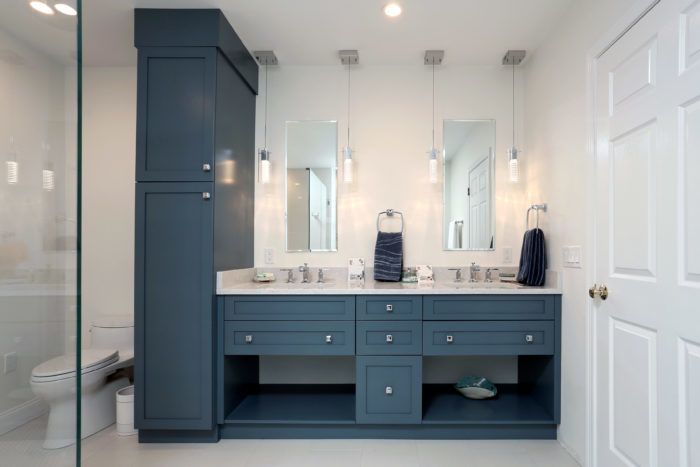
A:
389,338
450,339
248,339
389,391
206,167
329,339
529,338
206,195
389,307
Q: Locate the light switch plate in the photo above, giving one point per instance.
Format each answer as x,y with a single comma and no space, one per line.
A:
269,256
507,255
572,256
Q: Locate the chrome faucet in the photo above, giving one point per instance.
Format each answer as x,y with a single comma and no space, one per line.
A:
290,275
473,271
458,274
488,277
305,273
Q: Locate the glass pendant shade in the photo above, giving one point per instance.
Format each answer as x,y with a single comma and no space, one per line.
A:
12,172
264,169
433,166
347,165
513,168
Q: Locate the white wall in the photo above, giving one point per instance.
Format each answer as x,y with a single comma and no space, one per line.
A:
109,142
390,113
556,145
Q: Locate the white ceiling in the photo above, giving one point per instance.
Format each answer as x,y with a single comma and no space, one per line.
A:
304,32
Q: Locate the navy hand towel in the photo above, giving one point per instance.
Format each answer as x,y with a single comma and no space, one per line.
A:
533,259
388,256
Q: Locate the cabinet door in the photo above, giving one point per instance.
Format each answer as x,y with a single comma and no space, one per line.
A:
175,114
174,306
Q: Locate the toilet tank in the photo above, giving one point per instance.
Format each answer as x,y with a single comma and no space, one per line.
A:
113,332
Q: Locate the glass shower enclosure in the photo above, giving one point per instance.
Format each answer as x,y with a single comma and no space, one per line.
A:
39,228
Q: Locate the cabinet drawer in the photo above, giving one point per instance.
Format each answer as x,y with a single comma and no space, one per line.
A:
289,338
388,307
488,338
488,307
389,338
289,308
389,390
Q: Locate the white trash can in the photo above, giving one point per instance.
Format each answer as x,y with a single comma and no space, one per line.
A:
125,411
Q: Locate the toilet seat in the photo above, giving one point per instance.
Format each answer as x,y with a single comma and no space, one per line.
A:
63,367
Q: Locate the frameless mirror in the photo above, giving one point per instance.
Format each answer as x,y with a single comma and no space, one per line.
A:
468,199
312,186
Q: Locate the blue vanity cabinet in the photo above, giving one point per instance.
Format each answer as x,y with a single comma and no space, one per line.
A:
396,338
388,390
195,181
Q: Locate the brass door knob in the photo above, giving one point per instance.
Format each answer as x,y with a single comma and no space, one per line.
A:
598,291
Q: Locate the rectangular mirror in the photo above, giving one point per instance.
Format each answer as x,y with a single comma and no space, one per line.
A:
312,148
468,199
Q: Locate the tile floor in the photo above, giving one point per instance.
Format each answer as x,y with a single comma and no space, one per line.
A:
22,448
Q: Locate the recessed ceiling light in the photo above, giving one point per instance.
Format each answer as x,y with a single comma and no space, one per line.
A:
392,10
65,9
41,7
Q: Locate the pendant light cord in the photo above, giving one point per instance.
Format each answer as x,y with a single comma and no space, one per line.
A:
347,107
433,146
265,142
513,65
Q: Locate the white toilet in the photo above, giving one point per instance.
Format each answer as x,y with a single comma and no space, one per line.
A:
54,381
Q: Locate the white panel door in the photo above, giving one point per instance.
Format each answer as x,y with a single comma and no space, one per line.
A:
318,222
480,205
647,246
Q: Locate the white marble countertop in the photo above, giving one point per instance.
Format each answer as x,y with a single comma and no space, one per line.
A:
241,283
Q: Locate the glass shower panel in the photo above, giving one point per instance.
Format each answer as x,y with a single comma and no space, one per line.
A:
39,229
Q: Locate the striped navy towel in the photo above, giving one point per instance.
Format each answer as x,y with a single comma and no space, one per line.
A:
388,256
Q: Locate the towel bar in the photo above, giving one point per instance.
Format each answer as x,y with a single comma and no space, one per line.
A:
389,213
537,208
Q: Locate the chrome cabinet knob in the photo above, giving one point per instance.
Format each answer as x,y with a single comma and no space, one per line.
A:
249,339
389,338
206,167
389,390
206,195
450,339
329,339
389,307
529,338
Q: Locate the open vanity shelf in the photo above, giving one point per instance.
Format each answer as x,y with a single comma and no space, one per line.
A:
389,338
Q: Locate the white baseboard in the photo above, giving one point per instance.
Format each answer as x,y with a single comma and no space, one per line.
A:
21,414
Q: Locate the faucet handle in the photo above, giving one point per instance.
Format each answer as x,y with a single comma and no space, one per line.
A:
488,277
321,279
458,273
290,274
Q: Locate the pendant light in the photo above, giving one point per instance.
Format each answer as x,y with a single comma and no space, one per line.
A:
513,58
47,173
265,58
348,57
12,165
432,58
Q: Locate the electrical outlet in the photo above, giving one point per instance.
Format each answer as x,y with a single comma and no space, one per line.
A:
572,256
10,362
269,256
507,255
